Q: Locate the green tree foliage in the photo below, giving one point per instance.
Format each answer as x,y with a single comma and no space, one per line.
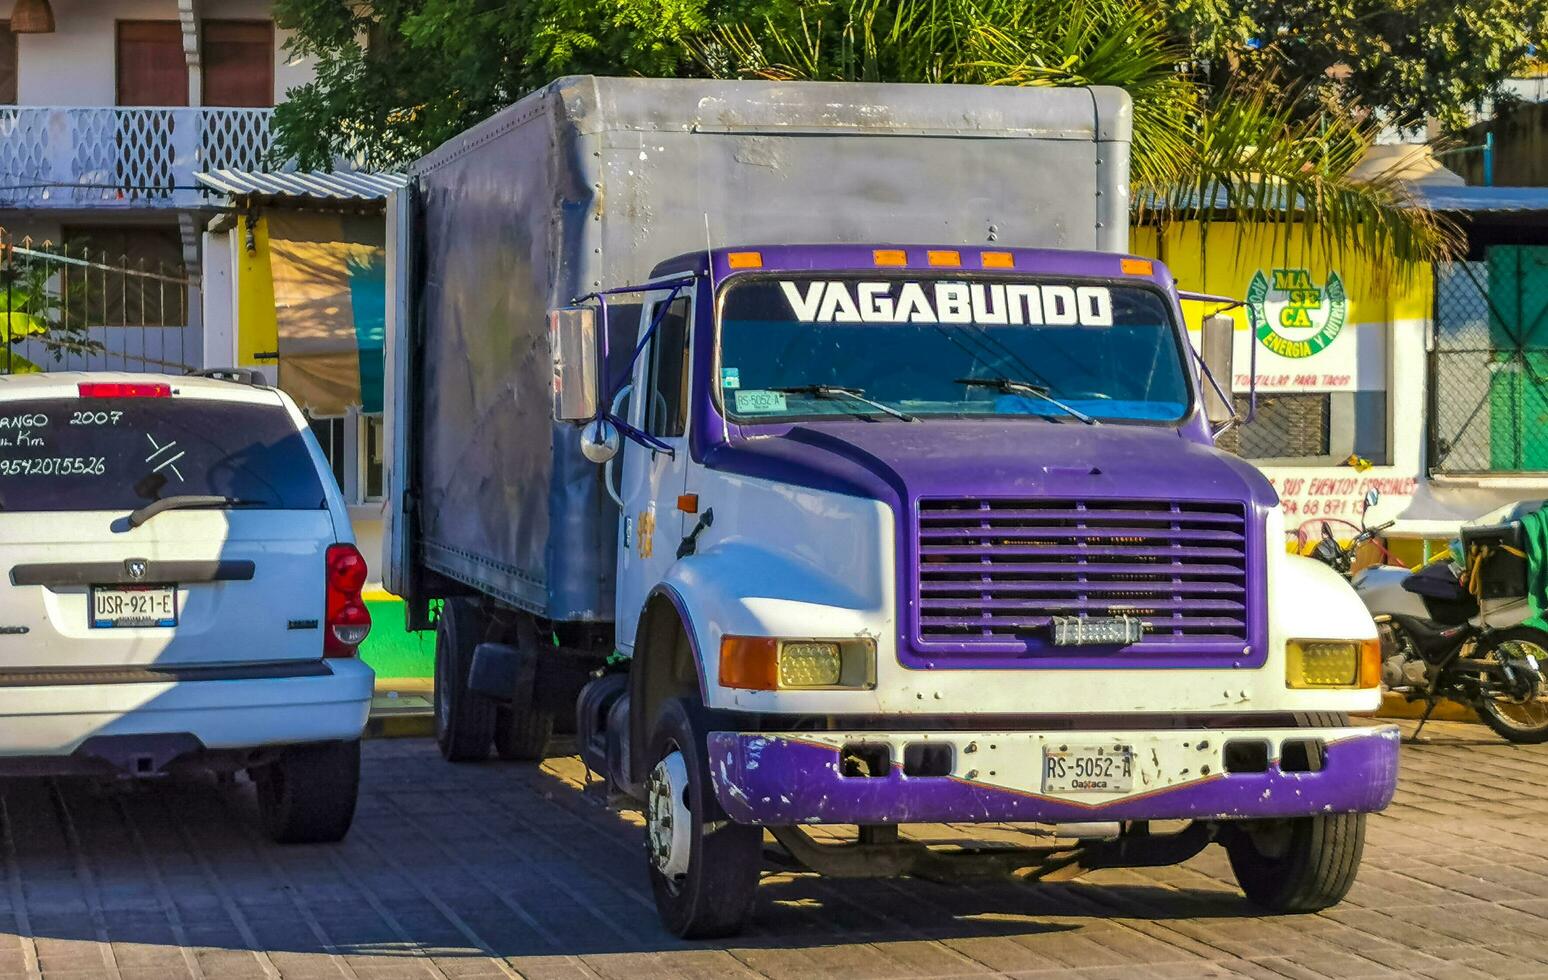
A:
395,78
1239,144
1243,153
1405,59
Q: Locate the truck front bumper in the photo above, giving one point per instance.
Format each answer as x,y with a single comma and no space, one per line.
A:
992,777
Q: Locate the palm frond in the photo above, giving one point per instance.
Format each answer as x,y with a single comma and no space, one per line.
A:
1254,155
1257,162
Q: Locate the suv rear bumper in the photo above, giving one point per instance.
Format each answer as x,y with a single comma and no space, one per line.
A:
53,720
993,777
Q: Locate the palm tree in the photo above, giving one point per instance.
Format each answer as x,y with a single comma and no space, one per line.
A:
1240,155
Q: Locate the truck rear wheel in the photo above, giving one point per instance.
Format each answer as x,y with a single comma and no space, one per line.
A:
307,795
1299,865
522,732
522,729
703,868
464,722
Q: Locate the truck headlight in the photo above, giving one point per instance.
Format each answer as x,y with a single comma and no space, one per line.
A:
766,663
1332,663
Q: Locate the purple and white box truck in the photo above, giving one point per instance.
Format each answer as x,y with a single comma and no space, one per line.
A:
822,452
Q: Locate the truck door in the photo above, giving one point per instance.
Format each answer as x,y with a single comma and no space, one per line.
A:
652,526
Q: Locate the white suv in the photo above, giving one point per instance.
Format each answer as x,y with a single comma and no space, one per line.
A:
179,590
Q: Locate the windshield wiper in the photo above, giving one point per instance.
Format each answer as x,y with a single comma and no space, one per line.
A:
186,501
834,391
1009,386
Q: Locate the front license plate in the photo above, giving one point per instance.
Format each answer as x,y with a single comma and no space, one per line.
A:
1088,769
152,605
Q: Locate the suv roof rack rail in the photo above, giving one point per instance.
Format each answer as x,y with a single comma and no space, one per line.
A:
236,375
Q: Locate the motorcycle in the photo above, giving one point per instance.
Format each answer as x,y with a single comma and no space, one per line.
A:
1445,635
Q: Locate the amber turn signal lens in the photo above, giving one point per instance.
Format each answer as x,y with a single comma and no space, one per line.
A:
1370,662
749,662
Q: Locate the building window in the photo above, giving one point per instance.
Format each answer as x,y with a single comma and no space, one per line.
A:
372,452
330,433
152,69
238,63
1311,427
7,64
354,444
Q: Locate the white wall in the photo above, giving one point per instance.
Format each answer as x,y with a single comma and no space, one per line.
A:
218,298
74,66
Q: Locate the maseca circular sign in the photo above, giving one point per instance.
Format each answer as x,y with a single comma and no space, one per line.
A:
1292,315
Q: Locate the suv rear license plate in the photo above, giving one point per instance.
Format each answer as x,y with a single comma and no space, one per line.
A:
1104,768
152,605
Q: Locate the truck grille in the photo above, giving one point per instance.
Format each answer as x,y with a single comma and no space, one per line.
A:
997,571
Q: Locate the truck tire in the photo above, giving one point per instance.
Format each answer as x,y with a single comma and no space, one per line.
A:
464,722
703,868
307,795
521,733
1302,864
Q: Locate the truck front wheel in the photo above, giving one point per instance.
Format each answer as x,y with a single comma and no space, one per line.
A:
703,868
1298,865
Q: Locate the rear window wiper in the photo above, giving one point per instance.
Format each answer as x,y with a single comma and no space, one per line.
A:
187,501
1009,386
855,394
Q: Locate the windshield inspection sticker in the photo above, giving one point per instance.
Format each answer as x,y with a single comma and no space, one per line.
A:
753,400
730,378
949,302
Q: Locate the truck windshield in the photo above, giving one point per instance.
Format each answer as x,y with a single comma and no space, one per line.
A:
1068,350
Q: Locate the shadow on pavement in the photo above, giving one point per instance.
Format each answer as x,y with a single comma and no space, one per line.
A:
505,860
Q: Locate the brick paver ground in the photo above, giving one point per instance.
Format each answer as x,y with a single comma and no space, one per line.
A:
506,871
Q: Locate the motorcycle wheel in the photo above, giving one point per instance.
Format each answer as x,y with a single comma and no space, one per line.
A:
1522,719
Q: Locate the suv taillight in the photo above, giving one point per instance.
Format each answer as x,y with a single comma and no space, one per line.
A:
348,620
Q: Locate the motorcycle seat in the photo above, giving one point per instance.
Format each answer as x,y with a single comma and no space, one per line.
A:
1429,636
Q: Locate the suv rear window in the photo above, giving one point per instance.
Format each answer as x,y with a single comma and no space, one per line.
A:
121,453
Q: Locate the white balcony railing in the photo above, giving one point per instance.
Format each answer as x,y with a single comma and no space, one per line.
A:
117,156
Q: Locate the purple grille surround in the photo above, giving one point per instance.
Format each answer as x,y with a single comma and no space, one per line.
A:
991,572
782,779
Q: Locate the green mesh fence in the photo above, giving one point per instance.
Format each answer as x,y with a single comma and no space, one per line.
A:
1489,366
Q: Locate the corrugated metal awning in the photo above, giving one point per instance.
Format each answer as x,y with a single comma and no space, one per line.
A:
1483,199
301,186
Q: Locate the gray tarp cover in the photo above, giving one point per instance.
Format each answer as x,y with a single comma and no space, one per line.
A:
591,182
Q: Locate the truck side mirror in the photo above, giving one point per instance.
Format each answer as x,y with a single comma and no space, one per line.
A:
572,341
1218,340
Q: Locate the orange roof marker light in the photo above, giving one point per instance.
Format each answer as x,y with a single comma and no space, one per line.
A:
998,260
889,256
944,256
1137,267
744,260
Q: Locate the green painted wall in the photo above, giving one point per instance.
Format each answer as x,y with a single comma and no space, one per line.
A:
392,651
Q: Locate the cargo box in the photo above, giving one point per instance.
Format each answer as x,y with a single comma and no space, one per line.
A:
590,183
